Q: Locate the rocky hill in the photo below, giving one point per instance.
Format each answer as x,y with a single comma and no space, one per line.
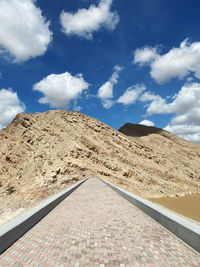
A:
42,153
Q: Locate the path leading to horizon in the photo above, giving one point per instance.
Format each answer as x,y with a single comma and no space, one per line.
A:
95,226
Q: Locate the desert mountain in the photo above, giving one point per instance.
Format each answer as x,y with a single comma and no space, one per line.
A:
42,153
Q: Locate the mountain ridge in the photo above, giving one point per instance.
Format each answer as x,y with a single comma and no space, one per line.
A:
43,153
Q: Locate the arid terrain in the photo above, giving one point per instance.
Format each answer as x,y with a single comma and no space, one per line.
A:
42,153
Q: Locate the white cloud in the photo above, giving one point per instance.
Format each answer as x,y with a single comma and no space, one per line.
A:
187,131
158,106
177,63
185,106
86,21
131,94
147,123
24,32
187,100
105,92
60,89
10,106
107,103
190,79
145,55
148,96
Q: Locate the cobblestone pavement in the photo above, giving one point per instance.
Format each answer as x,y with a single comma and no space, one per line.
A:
95,226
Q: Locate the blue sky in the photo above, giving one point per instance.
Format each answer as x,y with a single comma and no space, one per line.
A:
132,61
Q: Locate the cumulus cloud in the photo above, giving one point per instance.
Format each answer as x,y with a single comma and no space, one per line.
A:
188,131
107,103
24,32
131,94
177,63
158,106
190,79
186,101
10,106
60,89
148,96
145,55
147,123
185,106
86,21
105,92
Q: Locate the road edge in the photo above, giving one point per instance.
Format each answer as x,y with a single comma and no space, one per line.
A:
13,230
184,229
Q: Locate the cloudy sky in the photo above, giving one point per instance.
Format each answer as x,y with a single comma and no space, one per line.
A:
119,61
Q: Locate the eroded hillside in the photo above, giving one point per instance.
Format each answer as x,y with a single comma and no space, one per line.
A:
42,153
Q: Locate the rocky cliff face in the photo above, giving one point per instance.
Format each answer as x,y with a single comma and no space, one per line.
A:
42,153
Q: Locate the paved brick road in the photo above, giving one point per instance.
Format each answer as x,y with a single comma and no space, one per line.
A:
95,226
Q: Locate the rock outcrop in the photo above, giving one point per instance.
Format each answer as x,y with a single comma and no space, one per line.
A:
42,153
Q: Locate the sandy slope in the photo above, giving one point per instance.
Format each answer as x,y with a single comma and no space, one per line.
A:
42,153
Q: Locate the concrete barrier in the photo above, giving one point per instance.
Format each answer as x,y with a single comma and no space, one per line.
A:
186,230
14,229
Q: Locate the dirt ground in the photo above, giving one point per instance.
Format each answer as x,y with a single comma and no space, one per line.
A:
188,206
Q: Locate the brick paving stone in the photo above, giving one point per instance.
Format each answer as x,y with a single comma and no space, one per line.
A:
95,226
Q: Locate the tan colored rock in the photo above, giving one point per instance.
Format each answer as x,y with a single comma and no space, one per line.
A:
42,153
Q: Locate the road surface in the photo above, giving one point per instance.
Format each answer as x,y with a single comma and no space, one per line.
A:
95,226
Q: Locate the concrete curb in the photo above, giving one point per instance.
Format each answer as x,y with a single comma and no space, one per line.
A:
13,230
186,230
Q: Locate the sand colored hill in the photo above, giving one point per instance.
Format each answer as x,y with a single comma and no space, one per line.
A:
42,153
185,157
